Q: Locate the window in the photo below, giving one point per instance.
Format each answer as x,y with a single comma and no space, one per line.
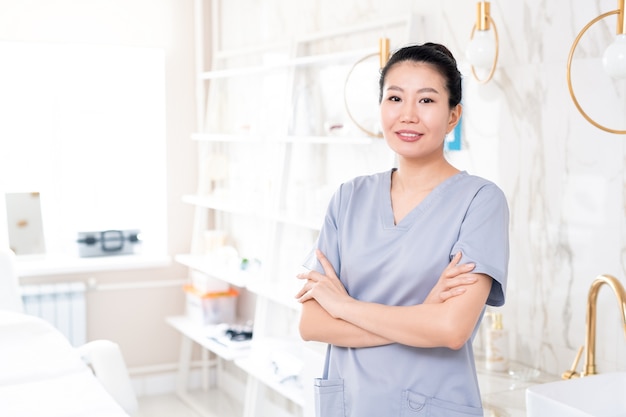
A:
84,125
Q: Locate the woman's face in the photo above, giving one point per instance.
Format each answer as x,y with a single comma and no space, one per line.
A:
415,114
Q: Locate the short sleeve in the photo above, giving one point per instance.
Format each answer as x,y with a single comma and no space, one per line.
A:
328,239
484,239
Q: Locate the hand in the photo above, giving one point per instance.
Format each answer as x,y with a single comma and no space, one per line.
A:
452,281
325,288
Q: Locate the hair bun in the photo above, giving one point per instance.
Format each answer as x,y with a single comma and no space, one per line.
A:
440,48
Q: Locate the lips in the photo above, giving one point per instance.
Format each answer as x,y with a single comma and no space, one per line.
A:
408,135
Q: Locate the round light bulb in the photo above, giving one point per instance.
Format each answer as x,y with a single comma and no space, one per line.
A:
614,59
481,50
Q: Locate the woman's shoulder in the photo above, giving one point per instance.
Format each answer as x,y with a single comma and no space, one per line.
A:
475,182
363,185
480,191
368,180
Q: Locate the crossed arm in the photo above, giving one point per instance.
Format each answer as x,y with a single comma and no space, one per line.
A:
445,319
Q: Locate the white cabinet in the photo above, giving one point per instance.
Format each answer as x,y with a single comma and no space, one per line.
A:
274,142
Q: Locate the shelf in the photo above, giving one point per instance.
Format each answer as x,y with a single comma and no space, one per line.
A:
275,362
333,140
308,223
263,372
249,50
251,138
315,37
227,137
201,335
340,57
277,292
216,203
51,264
279,364
203,263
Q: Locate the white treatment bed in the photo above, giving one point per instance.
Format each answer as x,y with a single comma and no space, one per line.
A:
43,375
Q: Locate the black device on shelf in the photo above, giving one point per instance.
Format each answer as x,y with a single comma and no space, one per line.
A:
108,242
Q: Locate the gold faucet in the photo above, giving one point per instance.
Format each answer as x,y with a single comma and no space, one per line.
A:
590,335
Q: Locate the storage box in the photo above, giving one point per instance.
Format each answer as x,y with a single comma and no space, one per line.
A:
108,242
211,307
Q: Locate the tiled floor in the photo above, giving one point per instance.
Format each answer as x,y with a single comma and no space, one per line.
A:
214,404
167,405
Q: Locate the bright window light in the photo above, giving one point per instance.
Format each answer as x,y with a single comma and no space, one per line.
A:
84,125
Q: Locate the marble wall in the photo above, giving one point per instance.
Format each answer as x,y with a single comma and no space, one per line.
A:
564,178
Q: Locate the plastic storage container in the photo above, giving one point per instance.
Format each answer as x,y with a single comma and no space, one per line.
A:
211,307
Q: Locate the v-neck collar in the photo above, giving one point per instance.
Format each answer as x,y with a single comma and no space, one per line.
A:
386,209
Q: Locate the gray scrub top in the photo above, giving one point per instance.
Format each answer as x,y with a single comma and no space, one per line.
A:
378,261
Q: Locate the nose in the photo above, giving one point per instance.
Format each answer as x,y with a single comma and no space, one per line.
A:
409,112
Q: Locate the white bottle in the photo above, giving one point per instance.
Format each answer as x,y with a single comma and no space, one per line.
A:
497,345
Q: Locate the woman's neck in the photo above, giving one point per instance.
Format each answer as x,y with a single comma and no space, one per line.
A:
411,184
419,177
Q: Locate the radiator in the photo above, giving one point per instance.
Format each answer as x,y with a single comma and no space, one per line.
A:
60,304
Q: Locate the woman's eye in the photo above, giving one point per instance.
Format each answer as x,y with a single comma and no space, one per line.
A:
426,100
393,98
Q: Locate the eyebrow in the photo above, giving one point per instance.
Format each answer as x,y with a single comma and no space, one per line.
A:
421,90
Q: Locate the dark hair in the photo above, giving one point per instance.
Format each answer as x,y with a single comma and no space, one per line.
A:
433,54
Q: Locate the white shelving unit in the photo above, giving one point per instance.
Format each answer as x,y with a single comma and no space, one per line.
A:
265,178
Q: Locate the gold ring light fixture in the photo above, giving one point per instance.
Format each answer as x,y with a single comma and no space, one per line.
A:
383,51
383,57
614,60
482,51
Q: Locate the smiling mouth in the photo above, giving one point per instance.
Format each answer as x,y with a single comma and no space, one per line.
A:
409,136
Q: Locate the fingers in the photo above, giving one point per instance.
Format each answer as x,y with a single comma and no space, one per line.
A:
313,275
304,296
454,269
305,292
313,278
328,267
455,259
302,291
465,268
446,295
459,280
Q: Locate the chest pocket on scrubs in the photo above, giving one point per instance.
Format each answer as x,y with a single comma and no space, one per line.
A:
329,398
417,405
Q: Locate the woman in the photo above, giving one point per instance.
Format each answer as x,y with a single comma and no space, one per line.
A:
399,329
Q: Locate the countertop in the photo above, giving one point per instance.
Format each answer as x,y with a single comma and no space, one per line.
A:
504,393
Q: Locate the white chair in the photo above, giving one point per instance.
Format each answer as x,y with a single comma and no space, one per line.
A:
10,296
107,363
